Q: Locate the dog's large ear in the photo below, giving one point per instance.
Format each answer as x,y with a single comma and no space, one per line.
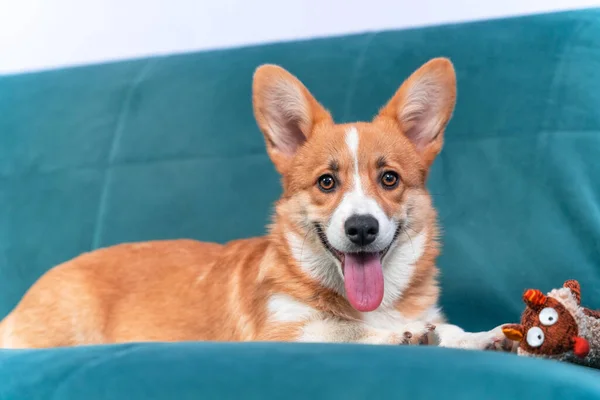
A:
285,111
423,105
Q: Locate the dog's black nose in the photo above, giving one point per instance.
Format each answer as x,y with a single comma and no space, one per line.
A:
361,229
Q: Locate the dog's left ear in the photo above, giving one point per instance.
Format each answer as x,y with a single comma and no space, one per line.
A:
423,105
286,113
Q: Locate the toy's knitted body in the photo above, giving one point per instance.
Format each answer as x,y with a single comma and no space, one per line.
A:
556,326
593,337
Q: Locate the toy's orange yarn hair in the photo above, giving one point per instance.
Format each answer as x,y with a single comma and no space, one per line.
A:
534,298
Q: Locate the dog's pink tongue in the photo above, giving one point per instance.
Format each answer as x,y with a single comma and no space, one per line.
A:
363,278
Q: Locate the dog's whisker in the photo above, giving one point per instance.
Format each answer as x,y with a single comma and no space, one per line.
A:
309,228
408,227
411,245
302,247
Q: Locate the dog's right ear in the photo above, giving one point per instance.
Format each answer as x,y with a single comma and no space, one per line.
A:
423,105
285,111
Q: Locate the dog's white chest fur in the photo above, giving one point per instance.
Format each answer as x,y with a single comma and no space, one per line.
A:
284,308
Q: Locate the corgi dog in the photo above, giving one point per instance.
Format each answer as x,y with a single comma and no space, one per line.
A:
349,257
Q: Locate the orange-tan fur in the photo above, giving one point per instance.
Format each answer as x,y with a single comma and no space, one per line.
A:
283,286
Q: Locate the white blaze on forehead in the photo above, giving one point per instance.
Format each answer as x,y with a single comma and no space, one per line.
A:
352,142
356,202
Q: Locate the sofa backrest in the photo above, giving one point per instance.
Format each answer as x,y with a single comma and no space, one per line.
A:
168,148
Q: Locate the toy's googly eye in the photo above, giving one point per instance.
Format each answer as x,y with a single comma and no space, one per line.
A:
535,337
548,316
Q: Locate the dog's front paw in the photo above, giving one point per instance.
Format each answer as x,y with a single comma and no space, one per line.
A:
420,334
491,340
500,342
412,334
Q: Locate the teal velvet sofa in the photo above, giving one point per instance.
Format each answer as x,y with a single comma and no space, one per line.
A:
167,147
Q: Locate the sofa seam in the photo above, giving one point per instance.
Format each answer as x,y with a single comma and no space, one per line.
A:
118,133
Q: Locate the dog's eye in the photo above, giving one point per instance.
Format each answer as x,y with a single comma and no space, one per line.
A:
326,183
389,179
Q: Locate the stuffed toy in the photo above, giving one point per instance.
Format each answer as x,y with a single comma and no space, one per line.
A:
556,326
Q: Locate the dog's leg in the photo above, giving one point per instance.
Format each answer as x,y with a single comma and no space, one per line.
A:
453,336
338,331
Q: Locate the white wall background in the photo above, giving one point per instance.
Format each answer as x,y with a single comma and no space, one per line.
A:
39,34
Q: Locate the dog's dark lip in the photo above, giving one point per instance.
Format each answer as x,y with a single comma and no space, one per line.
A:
396,234
338,254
